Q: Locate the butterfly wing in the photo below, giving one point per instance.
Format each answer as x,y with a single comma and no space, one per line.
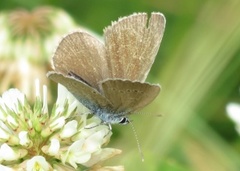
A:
132,44
127,96
85,94
83,55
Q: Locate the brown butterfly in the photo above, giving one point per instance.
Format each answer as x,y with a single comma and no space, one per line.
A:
108,77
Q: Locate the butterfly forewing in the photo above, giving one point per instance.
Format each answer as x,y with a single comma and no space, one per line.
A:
127,96
83,55
87,95
132,44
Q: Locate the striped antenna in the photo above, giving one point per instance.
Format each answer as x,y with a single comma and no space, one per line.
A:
138,143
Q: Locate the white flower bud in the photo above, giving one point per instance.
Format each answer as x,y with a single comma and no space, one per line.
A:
54,147
57,124
9,154
37,163
24,139
69,129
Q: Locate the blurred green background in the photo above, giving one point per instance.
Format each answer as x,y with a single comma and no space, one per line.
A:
198,67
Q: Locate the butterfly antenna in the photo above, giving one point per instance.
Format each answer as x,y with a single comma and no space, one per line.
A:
138,143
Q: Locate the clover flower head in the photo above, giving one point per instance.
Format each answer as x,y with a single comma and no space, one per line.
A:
66,138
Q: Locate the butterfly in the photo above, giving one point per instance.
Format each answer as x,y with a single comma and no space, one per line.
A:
108,76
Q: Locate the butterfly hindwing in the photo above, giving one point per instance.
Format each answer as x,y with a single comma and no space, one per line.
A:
87,95
129,96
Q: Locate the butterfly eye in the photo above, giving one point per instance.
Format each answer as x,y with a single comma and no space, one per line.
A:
124,121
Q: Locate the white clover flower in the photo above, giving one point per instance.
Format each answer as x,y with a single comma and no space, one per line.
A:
32,34
233,111
26,42
31,138
38,163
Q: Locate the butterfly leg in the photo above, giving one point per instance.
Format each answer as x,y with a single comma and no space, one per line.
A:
94,126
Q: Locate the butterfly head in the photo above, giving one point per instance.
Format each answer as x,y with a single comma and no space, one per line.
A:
124,121
116,120
112,118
